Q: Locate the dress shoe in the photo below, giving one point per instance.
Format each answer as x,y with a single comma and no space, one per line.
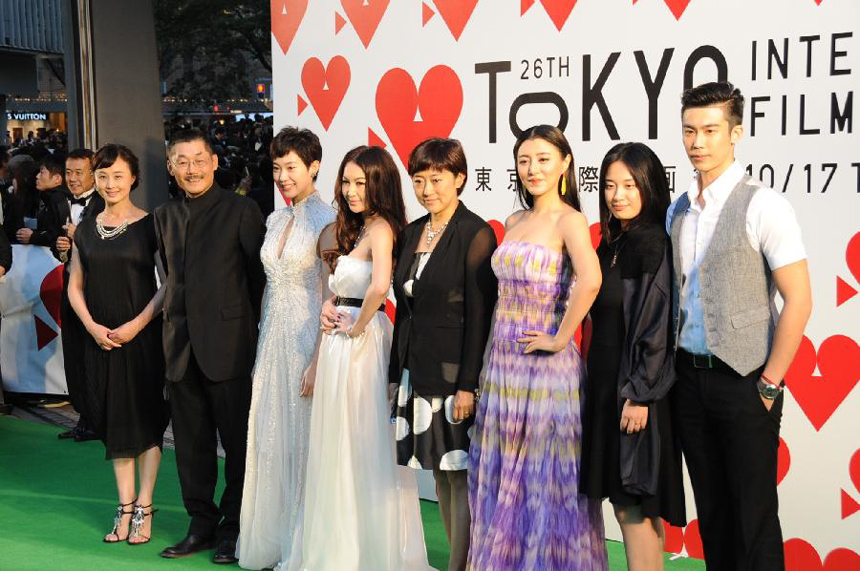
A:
225,552
85,434
68,434
191,544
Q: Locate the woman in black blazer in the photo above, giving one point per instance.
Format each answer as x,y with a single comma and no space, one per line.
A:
445,290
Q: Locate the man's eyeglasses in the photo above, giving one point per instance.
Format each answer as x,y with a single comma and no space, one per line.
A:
183,164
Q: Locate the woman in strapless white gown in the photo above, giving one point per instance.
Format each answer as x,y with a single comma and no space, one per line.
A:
361,509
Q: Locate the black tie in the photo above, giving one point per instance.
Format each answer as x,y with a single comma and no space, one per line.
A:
80,201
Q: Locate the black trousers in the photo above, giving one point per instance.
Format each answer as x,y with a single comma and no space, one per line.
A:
199,408
730,442
73,333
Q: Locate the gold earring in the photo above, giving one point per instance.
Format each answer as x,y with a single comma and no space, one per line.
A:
563,185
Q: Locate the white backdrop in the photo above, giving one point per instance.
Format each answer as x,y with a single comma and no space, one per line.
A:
31,353
394,72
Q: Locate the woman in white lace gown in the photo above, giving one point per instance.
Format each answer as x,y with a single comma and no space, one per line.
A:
361,510
279,420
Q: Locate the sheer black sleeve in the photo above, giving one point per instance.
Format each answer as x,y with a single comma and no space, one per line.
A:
481,290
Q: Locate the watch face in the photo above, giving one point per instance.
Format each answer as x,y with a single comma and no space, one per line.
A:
767,390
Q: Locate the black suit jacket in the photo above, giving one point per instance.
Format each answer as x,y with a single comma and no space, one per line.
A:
440,334
215,283
53,212
94,205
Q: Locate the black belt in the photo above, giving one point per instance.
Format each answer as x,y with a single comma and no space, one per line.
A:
702,361
353,302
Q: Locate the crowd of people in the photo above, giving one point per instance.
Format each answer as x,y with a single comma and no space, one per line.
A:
325,408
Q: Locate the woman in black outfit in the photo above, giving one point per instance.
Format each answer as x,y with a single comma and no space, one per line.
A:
629,452
445,290
112,288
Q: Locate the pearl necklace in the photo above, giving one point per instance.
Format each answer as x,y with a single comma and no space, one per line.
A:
431,234
106,234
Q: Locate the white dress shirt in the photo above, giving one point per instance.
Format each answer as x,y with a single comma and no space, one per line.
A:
77,210
771,228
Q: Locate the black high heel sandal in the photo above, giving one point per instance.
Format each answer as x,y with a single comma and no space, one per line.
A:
137,523
117,522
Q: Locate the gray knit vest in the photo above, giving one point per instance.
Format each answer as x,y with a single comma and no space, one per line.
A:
736,287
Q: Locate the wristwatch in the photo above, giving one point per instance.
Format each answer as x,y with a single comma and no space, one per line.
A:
769,390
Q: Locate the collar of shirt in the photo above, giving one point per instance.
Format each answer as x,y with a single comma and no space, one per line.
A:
88,193
202,202
718,191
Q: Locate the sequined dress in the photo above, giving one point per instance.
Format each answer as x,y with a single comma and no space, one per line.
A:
279,420
524,460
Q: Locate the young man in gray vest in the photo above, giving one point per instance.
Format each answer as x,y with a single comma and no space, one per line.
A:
735,244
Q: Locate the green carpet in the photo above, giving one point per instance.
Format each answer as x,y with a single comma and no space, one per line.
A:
57,500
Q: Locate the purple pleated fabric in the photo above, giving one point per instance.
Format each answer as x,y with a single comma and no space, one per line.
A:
524,458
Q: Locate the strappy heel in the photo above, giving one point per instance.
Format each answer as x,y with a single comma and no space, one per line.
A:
117,522
137,519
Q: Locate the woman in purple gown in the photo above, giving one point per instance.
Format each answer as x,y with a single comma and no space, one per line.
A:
524,460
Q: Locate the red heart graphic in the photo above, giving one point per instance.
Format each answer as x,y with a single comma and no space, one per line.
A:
287,15
838,362
674,542
801,556
456,14
854,469
498,230
676,6
852,256
558,10
693,540
390,310
365,16
439,100
783,461
50,292
326,86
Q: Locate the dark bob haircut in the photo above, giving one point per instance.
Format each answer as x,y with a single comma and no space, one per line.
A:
188,136
303,142
717,93
650,178
108,154
440,155
556,138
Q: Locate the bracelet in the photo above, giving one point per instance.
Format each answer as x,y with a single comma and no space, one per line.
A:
768,381
351,336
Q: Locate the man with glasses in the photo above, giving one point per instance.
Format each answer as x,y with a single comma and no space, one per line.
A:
209,240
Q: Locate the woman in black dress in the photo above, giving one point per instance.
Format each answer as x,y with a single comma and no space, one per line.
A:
446,291
113,290
629,453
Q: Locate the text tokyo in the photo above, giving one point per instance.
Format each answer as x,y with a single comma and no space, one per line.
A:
652,75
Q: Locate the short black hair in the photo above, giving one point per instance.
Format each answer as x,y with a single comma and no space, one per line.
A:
54,163
81,154
187,136
439,154
108,154
303,142
716,93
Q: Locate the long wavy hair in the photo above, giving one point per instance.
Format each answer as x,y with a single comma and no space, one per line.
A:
383,197
556,138
650,178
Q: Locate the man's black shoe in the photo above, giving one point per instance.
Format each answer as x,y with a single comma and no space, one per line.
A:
84,434
225,552
68,434
191,544
6,408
